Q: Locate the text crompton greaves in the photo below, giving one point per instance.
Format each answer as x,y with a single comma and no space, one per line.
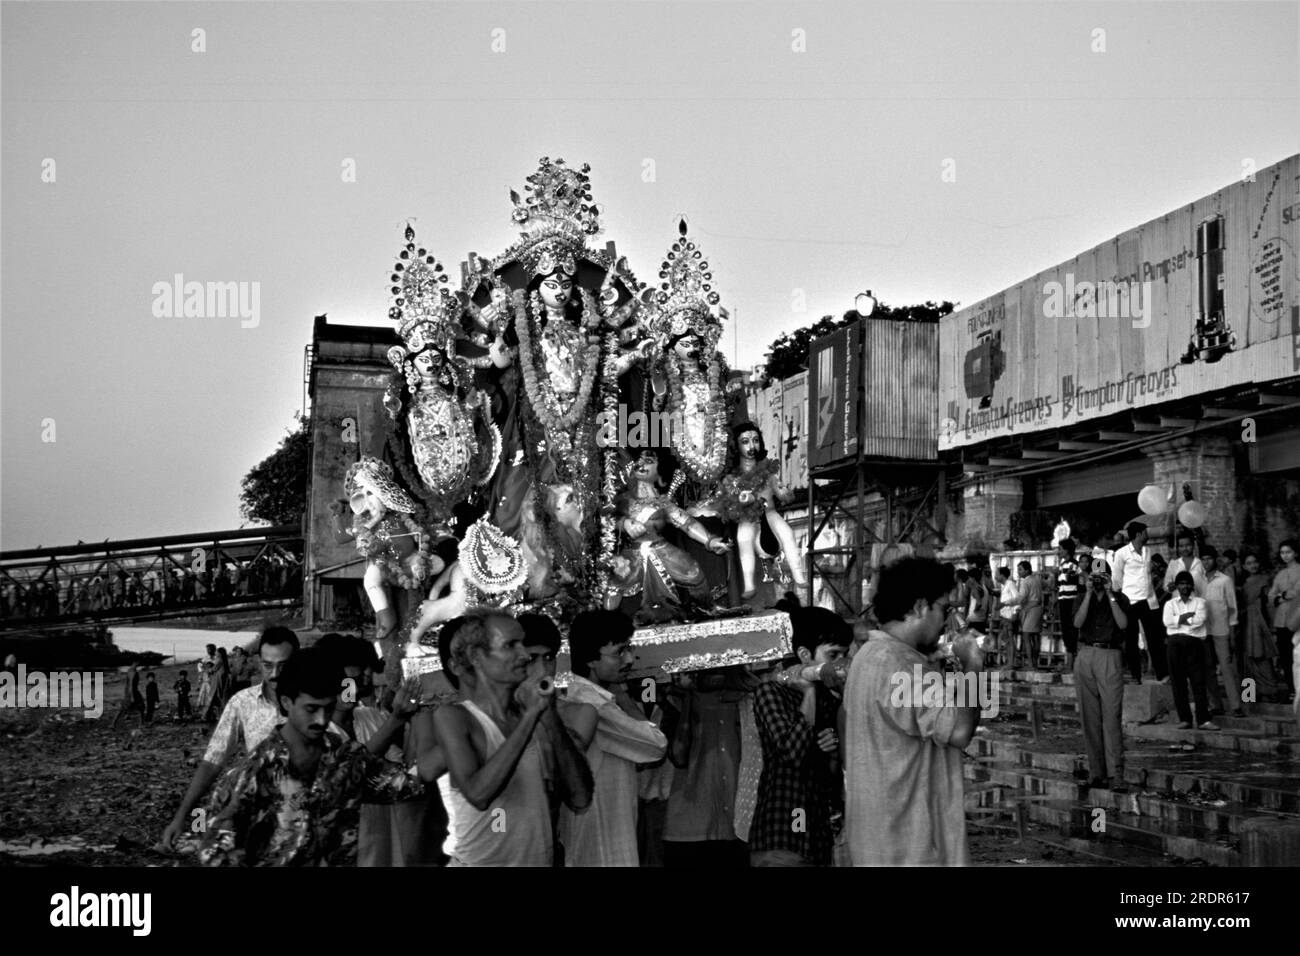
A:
77,909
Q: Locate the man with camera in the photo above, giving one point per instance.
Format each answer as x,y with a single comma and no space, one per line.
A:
1101,618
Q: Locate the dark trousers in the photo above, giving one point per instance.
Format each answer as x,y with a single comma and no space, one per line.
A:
1154,629
183,707
1069,633
1187,662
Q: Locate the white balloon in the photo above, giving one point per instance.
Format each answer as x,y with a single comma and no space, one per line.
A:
1151,500
1191,514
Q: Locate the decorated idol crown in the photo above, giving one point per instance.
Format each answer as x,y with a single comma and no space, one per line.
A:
425,310
372,475
556,216
686,302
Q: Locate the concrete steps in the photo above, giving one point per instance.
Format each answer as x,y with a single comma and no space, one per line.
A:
1227,798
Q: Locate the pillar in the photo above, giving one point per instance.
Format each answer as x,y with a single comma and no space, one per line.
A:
1208,464
988,507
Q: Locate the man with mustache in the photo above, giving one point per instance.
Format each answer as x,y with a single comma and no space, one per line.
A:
600,644
501,742
296,800
250,716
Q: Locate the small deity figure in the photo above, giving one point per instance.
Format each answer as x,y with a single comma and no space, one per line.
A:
749,495
690,373
387,533
452,443
668,580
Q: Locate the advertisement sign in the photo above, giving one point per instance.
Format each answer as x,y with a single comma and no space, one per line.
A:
1202,299
834,374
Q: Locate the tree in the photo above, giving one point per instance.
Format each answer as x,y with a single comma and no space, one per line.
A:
275,490
789,353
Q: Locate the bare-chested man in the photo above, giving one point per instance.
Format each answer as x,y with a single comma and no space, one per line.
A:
497,742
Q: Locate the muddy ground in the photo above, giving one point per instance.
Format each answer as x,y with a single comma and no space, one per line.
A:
75,791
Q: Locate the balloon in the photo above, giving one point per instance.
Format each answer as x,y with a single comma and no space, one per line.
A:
1151,500
1191,514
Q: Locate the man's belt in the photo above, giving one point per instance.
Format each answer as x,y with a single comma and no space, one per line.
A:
1109,646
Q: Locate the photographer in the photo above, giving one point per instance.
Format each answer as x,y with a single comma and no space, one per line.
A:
1101,618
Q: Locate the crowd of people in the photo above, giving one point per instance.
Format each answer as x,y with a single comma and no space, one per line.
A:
808,761
1218,626
220,675
1252,600
277,575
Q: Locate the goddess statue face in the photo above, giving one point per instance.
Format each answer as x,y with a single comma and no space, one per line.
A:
750,443
687,347
429,362
646,467
556,290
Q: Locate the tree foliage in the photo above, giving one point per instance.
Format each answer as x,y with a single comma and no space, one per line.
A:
275,490
789,353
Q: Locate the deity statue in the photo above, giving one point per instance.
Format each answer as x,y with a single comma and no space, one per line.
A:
439,419
689,379
387,533
563,320
749,495
669,581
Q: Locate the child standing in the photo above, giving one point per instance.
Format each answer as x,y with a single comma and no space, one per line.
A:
150,697
182,688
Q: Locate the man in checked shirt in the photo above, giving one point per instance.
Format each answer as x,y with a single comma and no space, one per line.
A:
801,785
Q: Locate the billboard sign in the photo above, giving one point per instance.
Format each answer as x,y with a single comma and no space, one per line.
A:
1202,299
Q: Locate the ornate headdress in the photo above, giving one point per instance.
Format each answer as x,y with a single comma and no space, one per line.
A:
686,302
557,217
425,310
371,474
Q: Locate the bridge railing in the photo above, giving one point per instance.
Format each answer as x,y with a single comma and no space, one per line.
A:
145,576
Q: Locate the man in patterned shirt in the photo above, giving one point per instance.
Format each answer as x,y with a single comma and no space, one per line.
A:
296,800
250,715
801,783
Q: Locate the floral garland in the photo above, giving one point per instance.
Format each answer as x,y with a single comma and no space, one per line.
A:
378,546
708,465
610,470
740,496
542,396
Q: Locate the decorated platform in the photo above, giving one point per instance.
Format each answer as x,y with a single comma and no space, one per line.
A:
667,649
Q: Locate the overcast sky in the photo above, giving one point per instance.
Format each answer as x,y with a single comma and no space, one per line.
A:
810,160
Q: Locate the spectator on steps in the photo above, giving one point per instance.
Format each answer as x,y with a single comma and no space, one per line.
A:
1101,618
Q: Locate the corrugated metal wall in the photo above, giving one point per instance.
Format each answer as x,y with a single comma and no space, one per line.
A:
901,401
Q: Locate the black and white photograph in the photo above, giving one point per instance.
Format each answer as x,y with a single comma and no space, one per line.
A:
699,436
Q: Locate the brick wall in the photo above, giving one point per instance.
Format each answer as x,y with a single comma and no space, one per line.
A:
1208,464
